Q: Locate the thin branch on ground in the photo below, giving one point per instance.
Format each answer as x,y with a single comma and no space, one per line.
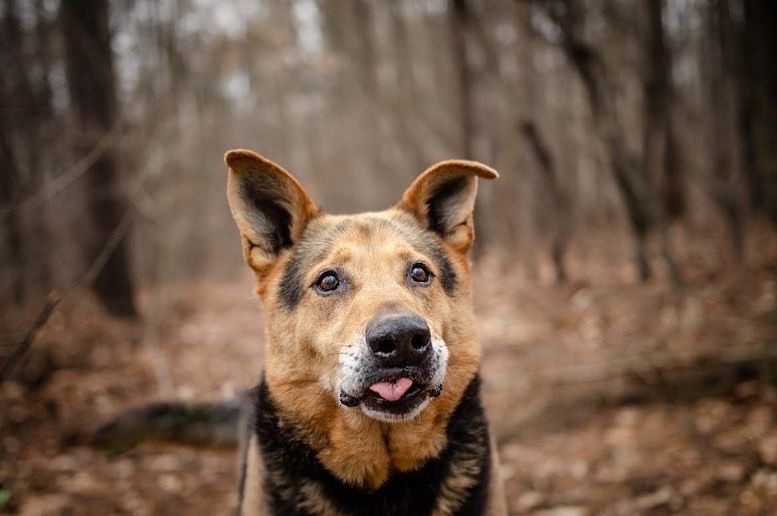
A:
26,341
74,296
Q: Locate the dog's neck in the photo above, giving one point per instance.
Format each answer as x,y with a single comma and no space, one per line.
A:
362,451
297,471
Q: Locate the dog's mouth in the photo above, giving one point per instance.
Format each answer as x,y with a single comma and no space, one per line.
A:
393,396
394,391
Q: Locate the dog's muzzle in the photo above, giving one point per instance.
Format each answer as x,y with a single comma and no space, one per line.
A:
394,369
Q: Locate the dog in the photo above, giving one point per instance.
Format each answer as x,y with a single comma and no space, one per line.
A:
369,402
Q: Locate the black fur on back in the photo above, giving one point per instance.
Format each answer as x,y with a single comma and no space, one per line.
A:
292,464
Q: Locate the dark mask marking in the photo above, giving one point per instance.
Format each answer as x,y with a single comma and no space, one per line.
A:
314,244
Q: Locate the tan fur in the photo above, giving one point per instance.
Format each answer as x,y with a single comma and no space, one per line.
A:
303,345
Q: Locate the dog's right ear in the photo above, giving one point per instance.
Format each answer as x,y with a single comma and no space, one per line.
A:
269,206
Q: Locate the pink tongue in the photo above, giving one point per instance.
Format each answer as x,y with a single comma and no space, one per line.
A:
392,391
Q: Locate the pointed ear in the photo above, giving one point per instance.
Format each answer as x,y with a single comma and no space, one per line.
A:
443,199
269,206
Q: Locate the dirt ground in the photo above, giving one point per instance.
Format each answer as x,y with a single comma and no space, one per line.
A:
596,391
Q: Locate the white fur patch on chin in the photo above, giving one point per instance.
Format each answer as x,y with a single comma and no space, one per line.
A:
351,362
388,417
440,350
350,379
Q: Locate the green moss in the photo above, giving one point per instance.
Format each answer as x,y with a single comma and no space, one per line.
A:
5,497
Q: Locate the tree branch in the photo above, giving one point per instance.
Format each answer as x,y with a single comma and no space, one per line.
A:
26,341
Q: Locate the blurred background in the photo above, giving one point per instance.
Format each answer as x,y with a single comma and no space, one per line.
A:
626,260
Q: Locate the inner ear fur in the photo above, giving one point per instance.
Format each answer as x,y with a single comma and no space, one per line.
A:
442,198
270,208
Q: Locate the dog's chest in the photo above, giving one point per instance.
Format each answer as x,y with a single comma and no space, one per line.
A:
295,483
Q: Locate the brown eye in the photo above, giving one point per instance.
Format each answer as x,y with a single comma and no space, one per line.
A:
420,274
328,282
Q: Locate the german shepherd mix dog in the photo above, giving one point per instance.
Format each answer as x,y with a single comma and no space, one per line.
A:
370,398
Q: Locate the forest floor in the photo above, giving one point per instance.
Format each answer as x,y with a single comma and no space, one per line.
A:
606,397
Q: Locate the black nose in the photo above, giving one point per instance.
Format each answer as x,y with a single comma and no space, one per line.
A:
399,339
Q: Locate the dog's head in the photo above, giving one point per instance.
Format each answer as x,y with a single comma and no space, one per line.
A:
369,312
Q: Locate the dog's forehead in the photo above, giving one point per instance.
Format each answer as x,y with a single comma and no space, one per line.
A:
384,227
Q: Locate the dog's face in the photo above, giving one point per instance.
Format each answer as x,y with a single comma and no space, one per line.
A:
372,309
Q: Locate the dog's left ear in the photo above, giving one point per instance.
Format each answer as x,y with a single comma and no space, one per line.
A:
442,198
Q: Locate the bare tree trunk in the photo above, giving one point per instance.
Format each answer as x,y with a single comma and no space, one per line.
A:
760,47
459,21
723,106
367,61
661,161
406,87
527,97
9,180
747,80
16,107
357,80
41,125
589,66
550,178
659,150
90,79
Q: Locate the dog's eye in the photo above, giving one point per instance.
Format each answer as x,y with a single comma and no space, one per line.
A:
327,282
420,274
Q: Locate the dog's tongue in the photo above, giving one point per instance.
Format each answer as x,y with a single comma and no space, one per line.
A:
392,391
